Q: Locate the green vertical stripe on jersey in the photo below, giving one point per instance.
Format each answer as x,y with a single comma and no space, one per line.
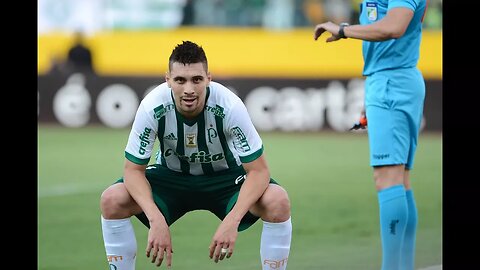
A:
184,165
161,134
202,143
221,135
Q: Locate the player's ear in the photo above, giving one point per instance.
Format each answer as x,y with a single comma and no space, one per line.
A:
167,79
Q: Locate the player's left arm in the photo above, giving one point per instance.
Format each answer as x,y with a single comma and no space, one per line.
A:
248,145
255,184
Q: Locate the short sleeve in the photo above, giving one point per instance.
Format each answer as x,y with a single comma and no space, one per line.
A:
246,140
142,137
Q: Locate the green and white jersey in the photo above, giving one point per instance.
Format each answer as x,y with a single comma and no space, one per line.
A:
221,137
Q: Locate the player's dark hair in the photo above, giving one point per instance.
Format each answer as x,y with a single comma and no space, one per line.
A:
188,53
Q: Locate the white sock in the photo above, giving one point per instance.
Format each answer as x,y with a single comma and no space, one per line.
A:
275,244
120,243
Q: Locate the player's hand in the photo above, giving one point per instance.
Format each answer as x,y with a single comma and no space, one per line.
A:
159,244
224,238
327,27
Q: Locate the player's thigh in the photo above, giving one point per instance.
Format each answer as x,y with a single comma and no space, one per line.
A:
387,127
393,119
388,136
168,191
411,96
250,218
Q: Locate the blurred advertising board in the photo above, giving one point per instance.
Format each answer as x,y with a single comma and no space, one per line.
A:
305,104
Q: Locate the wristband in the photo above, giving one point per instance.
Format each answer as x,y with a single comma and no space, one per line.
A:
341,33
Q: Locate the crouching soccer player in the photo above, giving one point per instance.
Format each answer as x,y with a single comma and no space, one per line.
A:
211,157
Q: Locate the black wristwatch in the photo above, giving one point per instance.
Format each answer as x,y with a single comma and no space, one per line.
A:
341,33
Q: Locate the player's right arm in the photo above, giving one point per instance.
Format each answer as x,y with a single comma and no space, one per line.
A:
159,240
138,152
392,26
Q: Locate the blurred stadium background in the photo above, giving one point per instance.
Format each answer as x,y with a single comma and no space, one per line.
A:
262,50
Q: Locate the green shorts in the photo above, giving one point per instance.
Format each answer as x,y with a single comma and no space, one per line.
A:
177,193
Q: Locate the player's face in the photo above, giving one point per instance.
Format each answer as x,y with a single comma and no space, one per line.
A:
188,83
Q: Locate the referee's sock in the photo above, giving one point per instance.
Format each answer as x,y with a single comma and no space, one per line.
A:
407,261
275,244
120,243
393,219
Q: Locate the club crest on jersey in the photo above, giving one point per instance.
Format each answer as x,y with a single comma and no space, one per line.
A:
191,140
212,133
372,11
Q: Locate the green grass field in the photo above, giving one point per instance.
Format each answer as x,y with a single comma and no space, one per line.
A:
334,203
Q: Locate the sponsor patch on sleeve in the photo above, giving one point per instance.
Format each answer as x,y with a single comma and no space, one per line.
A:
240,141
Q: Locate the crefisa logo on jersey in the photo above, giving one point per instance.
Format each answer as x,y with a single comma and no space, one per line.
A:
144,140
372,11
196,157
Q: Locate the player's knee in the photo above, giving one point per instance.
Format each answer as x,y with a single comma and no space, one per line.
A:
277,205
387,176
283,208
114,203
107,203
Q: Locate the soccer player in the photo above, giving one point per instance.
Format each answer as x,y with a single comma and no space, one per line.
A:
394,97
211,157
